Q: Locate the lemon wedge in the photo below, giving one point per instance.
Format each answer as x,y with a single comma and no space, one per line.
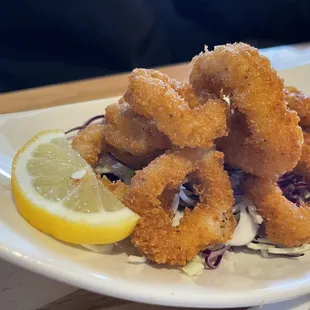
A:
57,192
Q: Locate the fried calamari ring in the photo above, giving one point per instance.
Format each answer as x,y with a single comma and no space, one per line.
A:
185,90
175,109
210,222
285,222
300,103
262,163
118,188
303,166
90,143
256,91
132,133
132,161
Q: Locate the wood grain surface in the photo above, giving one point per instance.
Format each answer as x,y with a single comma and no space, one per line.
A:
109,86
55,95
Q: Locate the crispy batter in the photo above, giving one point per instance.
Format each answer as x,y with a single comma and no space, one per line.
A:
118,188
90,143
132,133
300,103
121,100
285,223
210,222
303,166
185,90
132,161
256,91
175,109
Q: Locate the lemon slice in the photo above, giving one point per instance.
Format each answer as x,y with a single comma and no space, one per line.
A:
57,192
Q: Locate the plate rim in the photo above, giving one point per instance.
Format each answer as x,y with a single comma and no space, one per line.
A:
230,300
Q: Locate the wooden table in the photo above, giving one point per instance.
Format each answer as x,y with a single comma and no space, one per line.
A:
104,87
22,290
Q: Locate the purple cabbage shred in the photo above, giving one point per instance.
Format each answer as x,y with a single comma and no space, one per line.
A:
87,123
93,119
213,258
78,128
294,188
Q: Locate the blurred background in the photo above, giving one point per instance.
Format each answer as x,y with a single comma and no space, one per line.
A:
53,41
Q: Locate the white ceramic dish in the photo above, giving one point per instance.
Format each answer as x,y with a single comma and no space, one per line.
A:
253,281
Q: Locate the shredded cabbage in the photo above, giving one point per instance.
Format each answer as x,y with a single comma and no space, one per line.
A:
246,229
175,203
277,249
177,217
108,164
185,198
194,267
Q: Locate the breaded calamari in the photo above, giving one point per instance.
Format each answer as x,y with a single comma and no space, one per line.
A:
300,103
132,133
273,145
90,143
210,222
175,109
303,166
285,222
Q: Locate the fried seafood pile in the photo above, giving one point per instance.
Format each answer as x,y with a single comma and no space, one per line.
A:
162,148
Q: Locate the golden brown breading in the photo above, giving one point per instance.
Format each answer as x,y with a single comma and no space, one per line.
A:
284,221
175,109
90,143
132,161
117,188
256,91
210,222
132,133
300,103
303,166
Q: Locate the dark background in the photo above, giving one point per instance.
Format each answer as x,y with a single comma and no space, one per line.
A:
46,42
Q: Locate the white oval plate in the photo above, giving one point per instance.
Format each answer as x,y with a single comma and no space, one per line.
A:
253,280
